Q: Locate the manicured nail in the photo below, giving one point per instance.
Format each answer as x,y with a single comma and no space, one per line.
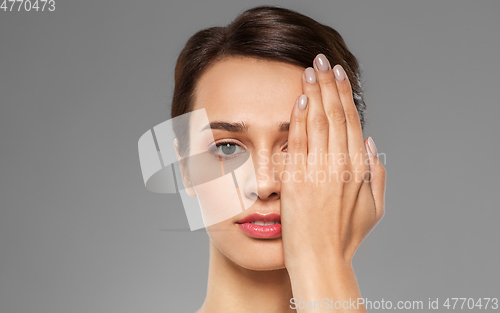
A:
302,102
310,75
339,73
371,145
322,63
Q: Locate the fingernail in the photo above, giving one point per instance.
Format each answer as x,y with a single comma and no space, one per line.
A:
302,102
310,75
322,63
371,145
339,73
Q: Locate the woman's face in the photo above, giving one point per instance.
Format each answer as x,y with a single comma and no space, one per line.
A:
258,94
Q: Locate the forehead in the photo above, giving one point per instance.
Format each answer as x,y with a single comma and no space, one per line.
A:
256,91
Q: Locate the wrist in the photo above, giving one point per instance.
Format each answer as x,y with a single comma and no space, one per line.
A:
315,281
310,263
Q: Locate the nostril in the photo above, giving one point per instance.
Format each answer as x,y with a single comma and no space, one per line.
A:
253,196
272,196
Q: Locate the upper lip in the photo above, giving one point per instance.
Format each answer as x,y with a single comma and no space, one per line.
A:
269,217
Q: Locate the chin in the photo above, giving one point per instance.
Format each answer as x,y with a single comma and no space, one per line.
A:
244,251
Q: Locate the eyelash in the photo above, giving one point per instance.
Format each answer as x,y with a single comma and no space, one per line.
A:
285,146
217,144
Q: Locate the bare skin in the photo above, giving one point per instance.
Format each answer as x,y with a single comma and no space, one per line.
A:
323,220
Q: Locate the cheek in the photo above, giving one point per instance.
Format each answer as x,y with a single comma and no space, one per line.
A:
219,200
218,196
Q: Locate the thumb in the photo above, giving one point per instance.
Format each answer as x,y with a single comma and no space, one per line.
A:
377,177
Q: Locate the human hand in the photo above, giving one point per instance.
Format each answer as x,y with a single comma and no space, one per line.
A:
335,194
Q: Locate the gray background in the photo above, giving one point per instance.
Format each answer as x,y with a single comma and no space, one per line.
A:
78,87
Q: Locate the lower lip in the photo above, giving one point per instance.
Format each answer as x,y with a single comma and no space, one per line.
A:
260,231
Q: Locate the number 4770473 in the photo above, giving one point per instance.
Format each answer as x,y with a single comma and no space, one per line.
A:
28,5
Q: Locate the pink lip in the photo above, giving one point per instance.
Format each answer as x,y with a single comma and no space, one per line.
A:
260,231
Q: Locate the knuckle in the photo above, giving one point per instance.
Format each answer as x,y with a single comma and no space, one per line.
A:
298,118
337,115
312,91
328,80
319,122
352,117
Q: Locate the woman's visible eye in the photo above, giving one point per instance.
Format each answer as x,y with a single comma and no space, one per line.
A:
227,149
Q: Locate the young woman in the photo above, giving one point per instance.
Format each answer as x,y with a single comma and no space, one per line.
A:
275,82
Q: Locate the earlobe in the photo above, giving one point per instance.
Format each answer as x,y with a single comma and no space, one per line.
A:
186,180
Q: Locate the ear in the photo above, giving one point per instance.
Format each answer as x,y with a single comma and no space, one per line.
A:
186,180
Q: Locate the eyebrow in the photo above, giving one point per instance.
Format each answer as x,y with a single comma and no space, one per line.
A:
238,127
284,126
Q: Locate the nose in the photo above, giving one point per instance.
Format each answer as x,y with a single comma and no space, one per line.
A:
267,172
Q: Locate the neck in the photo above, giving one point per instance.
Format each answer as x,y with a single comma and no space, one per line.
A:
232,288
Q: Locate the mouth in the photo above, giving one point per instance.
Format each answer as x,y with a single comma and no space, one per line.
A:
261,226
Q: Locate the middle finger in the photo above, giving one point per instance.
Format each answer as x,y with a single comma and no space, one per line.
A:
337,146
317,121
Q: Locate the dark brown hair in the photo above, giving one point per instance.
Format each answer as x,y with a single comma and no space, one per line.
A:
264,32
